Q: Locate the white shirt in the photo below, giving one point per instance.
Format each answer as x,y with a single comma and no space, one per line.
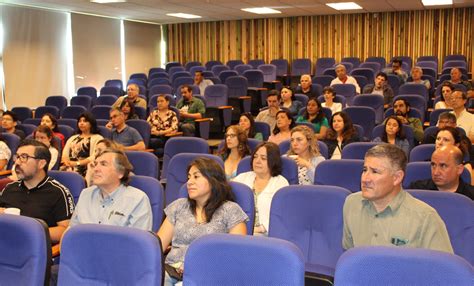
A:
350,80
466,121
335,107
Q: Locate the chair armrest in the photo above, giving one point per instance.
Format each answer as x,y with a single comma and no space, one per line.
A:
174,134
5,173
246,97
225,107
55,251
203,119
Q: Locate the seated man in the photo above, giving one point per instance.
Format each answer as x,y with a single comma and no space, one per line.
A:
35,193
201,82
456,78
110,200
446,169
9,122
190,109
133,90
306,87
269,115
343,78
396,69
123,134
381,87
384,214
464,118
401,108
416,74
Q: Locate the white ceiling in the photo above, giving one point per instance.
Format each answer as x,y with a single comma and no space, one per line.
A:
214,10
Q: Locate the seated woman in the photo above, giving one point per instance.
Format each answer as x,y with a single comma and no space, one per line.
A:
341,133
234,149
45,135
247,122
129,110
265,180
451,136
282,130
80,148
394,134
101,146
444,102
314,114
304,150
50,120
329,96
209,208
288,101
163,121
5,154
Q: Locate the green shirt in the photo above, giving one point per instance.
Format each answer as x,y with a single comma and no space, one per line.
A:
195,105
316,125
405,222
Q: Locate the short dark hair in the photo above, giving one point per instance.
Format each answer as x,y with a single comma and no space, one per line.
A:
11,114
89,117
463,93
382,74
187,87
41,151
276,130
53,119
198,72
220,188
448,116
274,92
398,61
330,90
396,156
407,104
273,157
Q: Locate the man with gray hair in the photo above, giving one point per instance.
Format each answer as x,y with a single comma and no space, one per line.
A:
384,214
110,200
343,78
465,119
306,87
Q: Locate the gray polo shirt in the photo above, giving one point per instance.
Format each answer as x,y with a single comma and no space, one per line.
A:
129,136
405,222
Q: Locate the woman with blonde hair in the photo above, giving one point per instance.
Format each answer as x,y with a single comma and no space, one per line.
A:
304,149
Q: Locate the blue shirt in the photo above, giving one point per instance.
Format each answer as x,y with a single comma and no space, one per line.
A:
129,136
126,206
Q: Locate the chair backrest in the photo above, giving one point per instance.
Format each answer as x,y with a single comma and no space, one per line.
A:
144,163
269,72
311,218
224,259
375,101
434,115
180,74
176,145
422,153
394,83
323,80
355,61
210,64
243,196
104,131
106,99
454,64
174,69
88,91
232,63
101,111
71,180
42,110
282,66
216,69
176,173
255,63
357,150
289,169
22,113
300,67
115,83
94,254
237,86
155,70
455,58
346,90
142,127
422,170
330,72
160,89
153,189
414,88
456,211
405,265
71,122
264,128
191,64
254,77
26,251
194,69
181,81
56,100
159,80
73,111
427,59
26,128
364,116
380,60
376,67
367,72
329,172
111,90
322,64
223,75
66,130
362,81
12,141
216,95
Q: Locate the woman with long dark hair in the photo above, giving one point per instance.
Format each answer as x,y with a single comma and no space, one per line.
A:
314,114
247,122
394,134
341,133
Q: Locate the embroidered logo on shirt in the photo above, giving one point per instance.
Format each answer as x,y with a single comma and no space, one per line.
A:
399,241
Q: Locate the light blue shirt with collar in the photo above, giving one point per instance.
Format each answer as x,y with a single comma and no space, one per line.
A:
126,206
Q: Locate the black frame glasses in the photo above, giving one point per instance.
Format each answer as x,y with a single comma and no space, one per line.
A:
23,157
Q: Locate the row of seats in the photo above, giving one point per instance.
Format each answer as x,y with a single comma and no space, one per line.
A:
294,210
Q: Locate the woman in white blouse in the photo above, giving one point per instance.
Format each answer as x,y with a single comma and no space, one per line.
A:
265,180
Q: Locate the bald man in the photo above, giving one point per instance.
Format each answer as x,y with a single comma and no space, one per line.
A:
446,169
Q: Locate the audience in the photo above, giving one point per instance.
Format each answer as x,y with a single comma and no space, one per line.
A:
306,87
80,148
456,78
9,122
265,180
190,109
289,102
101,146
396,69
128,110
209,208
269,115
282,130
446,169
133,90
394,134
5,154
384,214
50,120
235,148
465,119
123,134
381,87
329,96
314,114
341,133
304,150
247,123
416,74
45,135
445,99
201,82
343,78
401,108
163,121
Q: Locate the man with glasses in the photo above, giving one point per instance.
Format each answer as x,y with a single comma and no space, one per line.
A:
35,193
396,69
465,120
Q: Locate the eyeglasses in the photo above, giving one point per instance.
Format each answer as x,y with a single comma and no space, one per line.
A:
23,157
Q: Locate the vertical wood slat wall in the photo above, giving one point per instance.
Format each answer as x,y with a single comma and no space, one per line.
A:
412,33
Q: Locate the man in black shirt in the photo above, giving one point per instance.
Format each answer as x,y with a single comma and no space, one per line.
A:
446,170
35,193
9,122
306,87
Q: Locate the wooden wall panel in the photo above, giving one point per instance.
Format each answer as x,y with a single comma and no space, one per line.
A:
414,33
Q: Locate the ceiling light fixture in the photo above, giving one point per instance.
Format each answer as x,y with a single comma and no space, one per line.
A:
344,6
436,2
108,1
261,10
184,15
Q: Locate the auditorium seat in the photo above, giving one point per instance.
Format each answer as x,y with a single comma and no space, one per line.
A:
153,189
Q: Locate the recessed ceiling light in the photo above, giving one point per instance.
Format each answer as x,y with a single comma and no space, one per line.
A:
261,10
108,1
184,15
436,2
344,6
